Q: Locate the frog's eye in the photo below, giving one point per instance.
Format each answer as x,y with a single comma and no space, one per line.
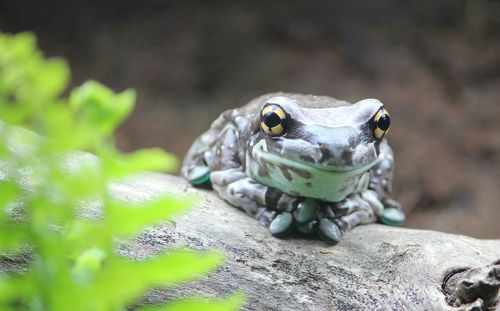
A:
273,120
382,122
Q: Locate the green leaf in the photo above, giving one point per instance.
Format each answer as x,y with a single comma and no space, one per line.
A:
4,287
232,303
14,115
18,47
153,159
53,78
9,192
62,131
14,287
121,279
85,233
21,143
75,263
100,108
126,219
13,237
88,264
83,180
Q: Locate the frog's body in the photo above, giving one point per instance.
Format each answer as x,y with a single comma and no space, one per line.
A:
312,163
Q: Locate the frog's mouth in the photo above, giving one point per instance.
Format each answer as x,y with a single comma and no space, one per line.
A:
297,178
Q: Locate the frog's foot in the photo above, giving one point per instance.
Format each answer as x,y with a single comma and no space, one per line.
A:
305,219
392,215
329,220
302,218
281,225
198,176
308,220
336,218
292,213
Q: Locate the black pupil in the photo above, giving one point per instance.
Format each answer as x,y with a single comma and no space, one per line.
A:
384,122
271,119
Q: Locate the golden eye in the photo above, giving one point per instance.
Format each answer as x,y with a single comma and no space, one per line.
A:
273,120
382,122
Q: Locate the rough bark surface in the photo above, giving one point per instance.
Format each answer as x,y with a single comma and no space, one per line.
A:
375,267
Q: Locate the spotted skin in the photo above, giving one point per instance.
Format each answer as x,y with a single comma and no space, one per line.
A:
311,147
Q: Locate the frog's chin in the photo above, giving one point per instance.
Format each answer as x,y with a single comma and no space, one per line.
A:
300,179
260,151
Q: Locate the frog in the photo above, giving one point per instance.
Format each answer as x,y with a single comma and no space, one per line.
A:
300,164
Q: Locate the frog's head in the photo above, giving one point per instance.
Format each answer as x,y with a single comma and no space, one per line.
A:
301,143
336,138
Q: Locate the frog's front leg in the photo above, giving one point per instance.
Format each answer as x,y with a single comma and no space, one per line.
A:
366,207
381,176
271,207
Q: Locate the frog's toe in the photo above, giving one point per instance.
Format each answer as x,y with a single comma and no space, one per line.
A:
199,176
329,231
392,216
281,224
306,228
306,211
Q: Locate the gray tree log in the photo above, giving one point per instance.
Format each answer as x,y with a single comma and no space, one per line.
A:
374,267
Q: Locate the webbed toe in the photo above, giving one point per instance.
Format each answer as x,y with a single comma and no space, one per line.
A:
199,176
281,224
306,210
392,216
328,231
306,228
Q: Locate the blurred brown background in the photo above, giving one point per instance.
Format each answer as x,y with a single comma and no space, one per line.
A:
435,64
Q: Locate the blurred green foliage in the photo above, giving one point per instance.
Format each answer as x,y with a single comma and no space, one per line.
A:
72,261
